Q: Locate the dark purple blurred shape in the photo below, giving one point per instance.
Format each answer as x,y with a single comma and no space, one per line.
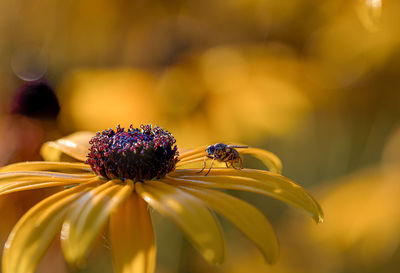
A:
36,100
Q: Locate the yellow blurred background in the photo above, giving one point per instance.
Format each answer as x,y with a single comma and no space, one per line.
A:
316,82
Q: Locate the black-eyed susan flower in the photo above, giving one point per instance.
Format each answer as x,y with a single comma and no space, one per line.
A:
125,171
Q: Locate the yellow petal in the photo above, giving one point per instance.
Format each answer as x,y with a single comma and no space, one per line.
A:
29,185
45,166
245,217
190,214
87,217
193,153
75,145
257,181
193,156
270,160
132,237
34,232
19,181
191,161
51,176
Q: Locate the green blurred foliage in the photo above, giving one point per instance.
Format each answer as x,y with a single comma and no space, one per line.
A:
316,82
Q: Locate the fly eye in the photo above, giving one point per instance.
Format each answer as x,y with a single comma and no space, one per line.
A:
210,149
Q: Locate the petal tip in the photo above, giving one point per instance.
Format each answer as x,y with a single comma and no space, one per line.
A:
319,219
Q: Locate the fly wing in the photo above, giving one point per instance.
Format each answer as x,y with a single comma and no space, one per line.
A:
237,146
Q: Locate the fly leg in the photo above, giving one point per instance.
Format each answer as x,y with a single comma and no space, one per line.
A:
241,162
212,161
231,160
204,165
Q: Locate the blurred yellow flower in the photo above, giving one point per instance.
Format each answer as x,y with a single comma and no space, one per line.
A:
86,92
125,171
369,12
249,85
360,232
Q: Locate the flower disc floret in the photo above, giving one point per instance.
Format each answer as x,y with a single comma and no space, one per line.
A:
137,153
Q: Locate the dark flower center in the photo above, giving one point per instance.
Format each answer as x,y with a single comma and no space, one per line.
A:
138,154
